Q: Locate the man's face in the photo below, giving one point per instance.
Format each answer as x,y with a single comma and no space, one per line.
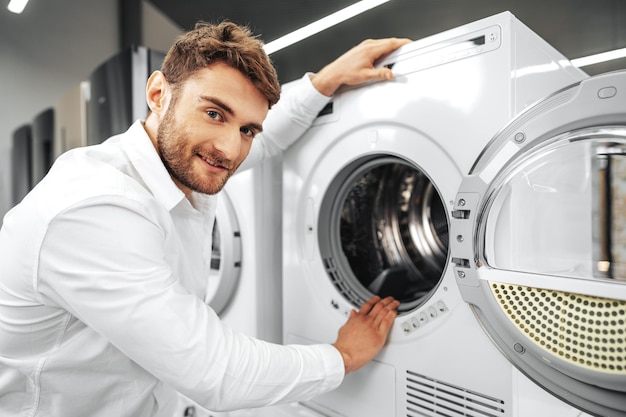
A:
208,127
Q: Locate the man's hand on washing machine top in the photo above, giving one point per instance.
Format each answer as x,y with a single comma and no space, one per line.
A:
356,66
365,332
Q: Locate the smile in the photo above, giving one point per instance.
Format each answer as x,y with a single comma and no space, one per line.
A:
212,162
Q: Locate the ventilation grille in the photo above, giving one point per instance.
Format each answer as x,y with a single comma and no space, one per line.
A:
343,288
432,398
586,331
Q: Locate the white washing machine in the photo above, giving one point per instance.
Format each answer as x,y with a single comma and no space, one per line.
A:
244,284
369,200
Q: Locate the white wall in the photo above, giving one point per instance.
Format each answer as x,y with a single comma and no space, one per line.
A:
32,81
74,38
159,32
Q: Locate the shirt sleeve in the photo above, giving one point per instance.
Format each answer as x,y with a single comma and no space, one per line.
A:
297,108
104,262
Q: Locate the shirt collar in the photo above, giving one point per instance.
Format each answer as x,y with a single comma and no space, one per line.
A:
148,164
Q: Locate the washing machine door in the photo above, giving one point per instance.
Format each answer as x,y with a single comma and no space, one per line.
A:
225,255
538,243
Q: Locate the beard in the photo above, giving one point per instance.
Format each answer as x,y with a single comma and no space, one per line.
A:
178,157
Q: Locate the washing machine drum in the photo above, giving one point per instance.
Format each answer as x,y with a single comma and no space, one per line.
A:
539,243
383,230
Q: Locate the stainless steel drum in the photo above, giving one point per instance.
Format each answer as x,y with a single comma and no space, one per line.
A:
383,230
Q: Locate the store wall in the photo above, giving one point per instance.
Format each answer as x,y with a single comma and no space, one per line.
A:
31,84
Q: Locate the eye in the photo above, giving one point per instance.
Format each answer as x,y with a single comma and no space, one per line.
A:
214,115
247,132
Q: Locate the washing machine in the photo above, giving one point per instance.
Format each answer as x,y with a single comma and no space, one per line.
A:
373,200
244,285
244,282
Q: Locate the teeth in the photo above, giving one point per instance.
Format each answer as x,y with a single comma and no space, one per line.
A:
208,161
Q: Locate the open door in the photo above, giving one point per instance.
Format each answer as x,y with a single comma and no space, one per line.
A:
538,243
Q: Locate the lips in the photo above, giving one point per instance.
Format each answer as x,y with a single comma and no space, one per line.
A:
214,162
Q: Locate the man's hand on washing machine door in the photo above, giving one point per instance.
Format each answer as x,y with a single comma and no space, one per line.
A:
356,66
364,334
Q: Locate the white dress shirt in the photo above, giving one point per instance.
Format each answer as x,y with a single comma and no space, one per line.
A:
103,269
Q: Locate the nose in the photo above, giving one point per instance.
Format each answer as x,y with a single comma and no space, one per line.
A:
228,144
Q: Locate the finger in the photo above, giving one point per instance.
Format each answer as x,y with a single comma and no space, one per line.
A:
387,321
369,304
383,73
386,46
383,317
388,301
382,46
387,304
367,74
373,73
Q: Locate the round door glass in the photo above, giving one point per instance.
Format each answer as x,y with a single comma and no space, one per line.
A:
384,231
561,208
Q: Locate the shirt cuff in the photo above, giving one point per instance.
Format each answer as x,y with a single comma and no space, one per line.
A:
335,368
315,99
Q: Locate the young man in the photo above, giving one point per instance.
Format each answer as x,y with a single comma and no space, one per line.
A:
103,265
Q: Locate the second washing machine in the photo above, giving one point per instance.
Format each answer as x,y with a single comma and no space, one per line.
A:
244,286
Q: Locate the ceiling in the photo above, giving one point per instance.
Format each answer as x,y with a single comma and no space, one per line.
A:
53,45
575,27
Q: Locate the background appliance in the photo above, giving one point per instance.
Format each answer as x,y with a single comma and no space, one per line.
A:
118,92
42,142
70,119
21,152
367,197
540,243
244,286
244,281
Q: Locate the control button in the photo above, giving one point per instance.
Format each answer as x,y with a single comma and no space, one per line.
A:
423,318
607,92
406,326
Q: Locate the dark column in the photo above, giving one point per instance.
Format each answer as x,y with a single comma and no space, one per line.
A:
131,23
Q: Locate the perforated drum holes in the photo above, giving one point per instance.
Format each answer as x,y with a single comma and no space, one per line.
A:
586,331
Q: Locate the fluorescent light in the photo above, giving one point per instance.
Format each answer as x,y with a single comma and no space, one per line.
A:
597,58
17,6
322,24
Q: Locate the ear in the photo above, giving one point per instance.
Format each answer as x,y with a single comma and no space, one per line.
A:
157,92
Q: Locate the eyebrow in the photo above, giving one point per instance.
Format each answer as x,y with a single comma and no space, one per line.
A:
219,103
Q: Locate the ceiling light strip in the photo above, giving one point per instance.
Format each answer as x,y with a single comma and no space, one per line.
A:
322,24
598,58
17,6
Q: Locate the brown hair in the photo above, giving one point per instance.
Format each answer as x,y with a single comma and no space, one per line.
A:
224,42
